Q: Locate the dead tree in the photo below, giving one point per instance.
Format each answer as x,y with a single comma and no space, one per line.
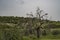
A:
30,23
40,18
40,21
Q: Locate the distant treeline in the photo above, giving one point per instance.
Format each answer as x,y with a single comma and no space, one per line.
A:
12,19
16,20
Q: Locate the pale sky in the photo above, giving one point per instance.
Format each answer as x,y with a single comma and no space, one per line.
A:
21,7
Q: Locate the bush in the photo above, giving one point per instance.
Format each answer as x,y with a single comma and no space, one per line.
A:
44,33
55,32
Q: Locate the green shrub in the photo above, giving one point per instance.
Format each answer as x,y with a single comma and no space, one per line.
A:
55,32
44,33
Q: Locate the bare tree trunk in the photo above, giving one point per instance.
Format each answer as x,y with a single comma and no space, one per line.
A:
38,32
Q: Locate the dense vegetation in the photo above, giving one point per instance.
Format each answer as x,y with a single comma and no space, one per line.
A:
20,28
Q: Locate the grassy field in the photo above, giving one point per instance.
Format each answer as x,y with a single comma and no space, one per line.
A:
28,38
10,27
